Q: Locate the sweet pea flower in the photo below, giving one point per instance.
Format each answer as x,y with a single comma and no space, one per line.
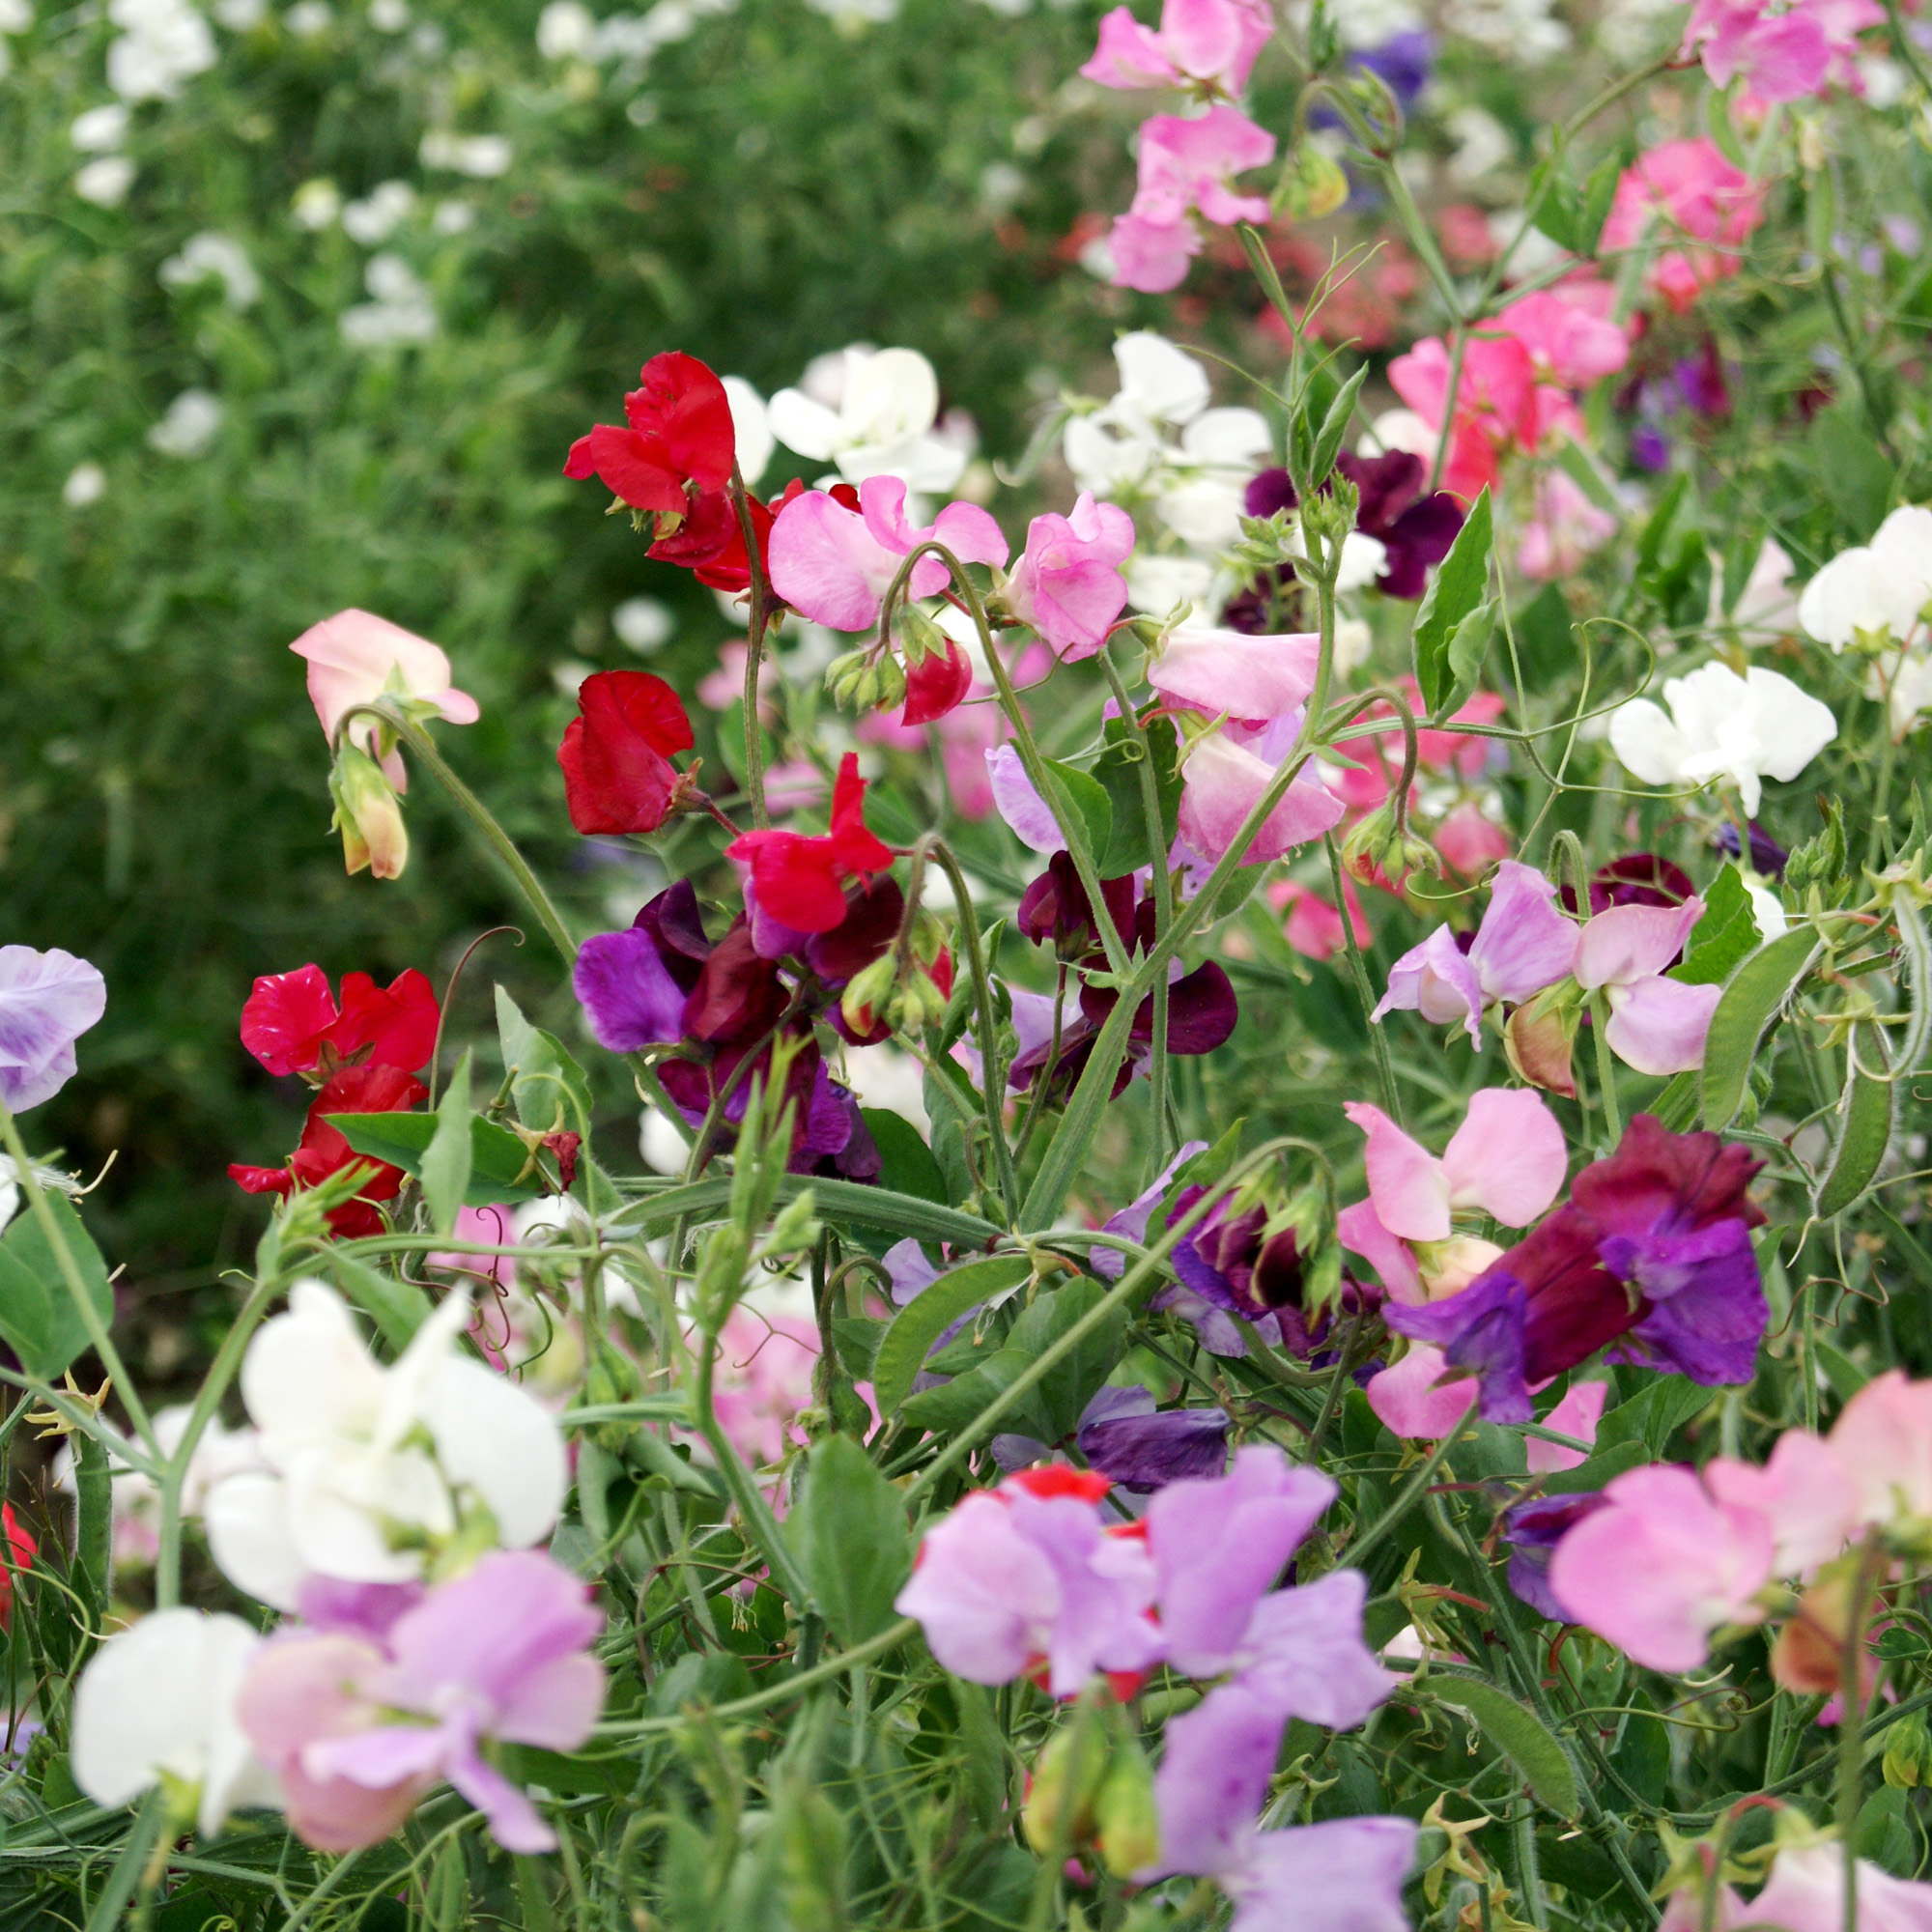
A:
1578,1414
47,1000
1805,1494
1025,1572
1663,1566
834,563
1227,672
354,658
1565,527
368,1468
1185,165
1880,587
1883,1442
1684,188
871,412
1224,775
1721,725
1657,1024
1806,1893
1313,926
1207,42
617,752
1500,405
800,880
1419,1398
680,437
157,1702
292,1024
1522,944
1569,334
1782,56
1068,584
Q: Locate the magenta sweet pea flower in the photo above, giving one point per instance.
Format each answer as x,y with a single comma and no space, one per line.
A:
1569,341
1224,775
1523,944
1185,166
1209,42
1657,1024
835,565
1226,673
47,1000
1782,56
1068,584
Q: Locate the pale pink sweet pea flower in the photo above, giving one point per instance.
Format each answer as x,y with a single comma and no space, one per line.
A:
1578,1414
1226,673
1565,527
765,1365
1188,164
1806,1893
1882,1441
1313,926
1782,56
1212,42
1803,1493
834,567
1470,842
1150,256
1523,944
1686,188
1224,774
1657,1024
1068,584
1406,1396
353,658
1661,1566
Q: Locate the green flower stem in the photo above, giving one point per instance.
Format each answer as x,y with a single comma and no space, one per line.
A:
1606,1067
1358,971
1851,1719
90,1316
754,654
1408,1495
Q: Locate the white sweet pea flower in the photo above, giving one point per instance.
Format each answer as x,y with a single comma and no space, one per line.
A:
872,414
750,429
1878,586
159,1701
191,424
367,1466
220,1452
106,182
1721,725
101,130
162,44
1911,693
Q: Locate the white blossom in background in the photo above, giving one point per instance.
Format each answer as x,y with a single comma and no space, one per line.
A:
1767,606
157,1702
372,221
15,18
1483,144
316,205
1627,29
240,16
106,182
308,18
220,256
1157,585
86,483
566,30
1362,23
220,1452
644,624
1911,692
100,131
162,45
482,156
453,217
871,412
750,429
388,16
401,309
1521,29
849,15
1876,587
885,1076
190,426
368,1468
1722,726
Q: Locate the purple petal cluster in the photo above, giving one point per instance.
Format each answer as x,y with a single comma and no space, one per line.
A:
47,1000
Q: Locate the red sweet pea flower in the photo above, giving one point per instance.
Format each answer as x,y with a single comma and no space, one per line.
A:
21,1550
936,684
801,881
618,773
356,1089
292,1024
680,433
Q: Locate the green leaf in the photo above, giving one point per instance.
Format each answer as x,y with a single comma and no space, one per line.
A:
1334,427
1652,1416
846,1201
38,1316
952,1406
1521,1735
849,1529
1753,997
1726,933
1594,1471
1073,1382
1118,769
921,1322
1600,189
497,1158
908,1166
1850,470
397,1308
1468,643
544,1078
1457,590
447,1160
1556,204
1083,805
857,1338
1866,1115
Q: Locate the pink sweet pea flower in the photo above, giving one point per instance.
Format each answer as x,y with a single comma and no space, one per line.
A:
1068,584
1470,842
1185,166
353,658
1214,42
1565,529
1150,256
1313,926
1224,774
1661,1566
1684,188
1578,1414
1411,1398
1806,1893
835,565
1569,344
1657,1024
1226,673
1782,56
1523,944
1803,1493
1882,1441
1497,406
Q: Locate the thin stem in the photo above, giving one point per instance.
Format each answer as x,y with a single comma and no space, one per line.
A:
1851,1722
1607,1068
1410,1494
754,654
1358,971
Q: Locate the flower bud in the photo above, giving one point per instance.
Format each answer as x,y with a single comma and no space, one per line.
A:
842,675
1908,1754
368,815
919,637
1063,1789
1312,183
1541,1035
1381,847
867,992
1126,1824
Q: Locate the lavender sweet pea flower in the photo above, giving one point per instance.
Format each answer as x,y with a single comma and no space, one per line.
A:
1657,1025
632,985
1342,1872
1023,809
1303,1653
47,1000
1523,944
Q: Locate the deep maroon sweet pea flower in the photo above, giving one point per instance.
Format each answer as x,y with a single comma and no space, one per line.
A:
1055,908
1233,1261
1637,878
1532,1530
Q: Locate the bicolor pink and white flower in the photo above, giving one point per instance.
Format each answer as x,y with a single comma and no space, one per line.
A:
1657,1024
354,658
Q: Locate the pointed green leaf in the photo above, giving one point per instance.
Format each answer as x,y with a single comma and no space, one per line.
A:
919,1323
1334,427
849,1529
544,1078
1726,933
1457,590
1521,1735
497,1159
1082,804
447,1160
39,1318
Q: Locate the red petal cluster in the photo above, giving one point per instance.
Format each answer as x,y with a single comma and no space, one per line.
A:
936,683
368,1088
22,1549
680,433
801,881
618,773
291,1018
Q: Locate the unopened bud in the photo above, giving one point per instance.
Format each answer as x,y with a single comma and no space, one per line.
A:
1381,847
920,638
842,675
1541,1035
1127,1823
1312,183
1908,1754
865,992
368,815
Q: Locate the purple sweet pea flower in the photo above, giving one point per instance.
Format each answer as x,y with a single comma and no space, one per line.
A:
1055,909
1023,809
1533,1530
500,1653
369,1610
1131,1222
1522,944
47,1000
1649,447
1480,1329
1342,1872
1143,1448
1218,1546
629,998
1303,1654
1766,856
1403,61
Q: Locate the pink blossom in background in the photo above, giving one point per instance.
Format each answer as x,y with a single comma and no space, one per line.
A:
1782,56
1213,41
1883,1442
353,658
1224,775
1569,343
765,1364
1068,584
1151,256
1684,190
1313,926
1806,1893
1657,1024
1251,678
1578,1414
717,688
1803,1491
1565,527
1663,1566
1185,166
1496,409
1407,1397
1470,842
835,565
